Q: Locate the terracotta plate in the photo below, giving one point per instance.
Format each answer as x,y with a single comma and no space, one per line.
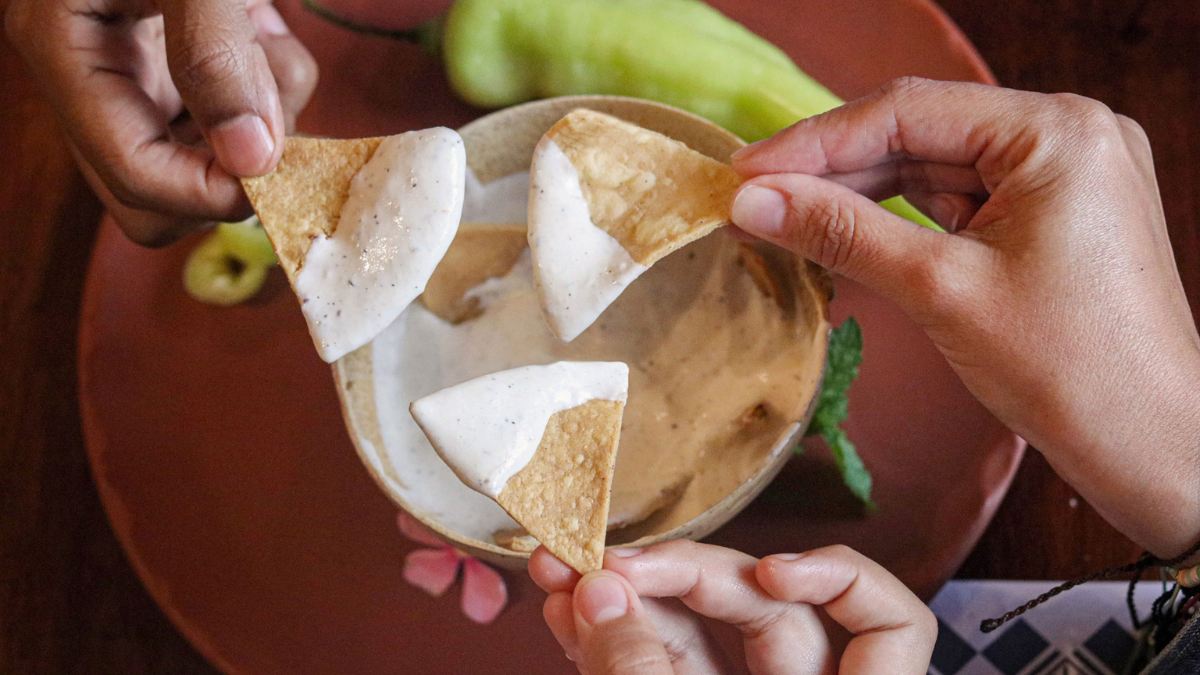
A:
219,452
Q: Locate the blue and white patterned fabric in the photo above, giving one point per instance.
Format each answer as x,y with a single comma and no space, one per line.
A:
1085,631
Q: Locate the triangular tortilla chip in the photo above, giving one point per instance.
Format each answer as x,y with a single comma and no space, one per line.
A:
515,540
541,441
303,196
652,193
561,497
371,238
480,251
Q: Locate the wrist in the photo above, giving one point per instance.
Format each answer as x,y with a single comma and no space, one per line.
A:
1136,458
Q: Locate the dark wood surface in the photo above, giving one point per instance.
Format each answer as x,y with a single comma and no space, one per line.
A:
69,602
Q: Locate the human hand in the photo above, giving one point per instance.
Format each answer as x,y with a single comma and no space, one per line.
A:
607,629
1056,300
163,111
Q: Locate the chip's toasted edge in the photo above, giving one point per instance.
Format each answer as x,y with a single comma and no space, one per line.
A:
515,540
651,192
304,195
561,497
480,251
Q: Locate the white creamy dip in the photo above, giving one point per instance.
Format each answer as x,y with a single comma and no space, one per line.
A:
579,268
400,218
487,429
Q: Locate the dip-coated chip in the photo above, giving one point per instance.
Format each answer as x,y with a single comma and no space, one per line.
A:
652,193
561,497
304,195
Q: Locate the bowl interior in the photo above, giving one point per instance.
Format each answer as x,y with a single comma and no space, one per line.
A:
723,375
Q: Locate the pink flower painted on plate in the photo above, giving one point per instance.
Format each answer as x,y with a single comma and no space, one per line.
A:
434,570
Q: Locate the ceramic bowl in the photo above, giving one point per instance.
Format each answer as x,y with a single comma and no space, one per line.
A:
724,479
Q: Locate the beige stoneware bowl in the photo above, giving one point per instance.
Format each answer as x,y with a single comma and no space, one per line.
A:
671,345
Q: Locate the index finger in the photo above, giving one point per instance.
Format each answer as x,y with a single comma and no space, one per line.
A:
551,574
894,630
781,637
953,123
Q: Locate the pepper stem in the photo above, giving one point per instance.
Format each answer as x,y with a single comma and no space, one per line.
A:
427,35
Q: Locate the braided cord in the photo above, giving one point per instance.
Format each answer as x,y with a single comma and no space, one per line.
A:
1145,561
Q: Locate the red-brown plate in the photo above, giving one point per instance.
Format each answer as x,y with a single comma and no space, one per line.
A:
219,451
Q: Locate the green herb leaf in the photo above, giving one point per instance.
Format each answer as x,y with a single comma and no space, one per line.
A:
841,369
854,474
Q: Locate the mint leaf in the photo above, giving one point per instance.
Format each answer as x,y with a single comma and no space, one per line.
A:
841,369
854,474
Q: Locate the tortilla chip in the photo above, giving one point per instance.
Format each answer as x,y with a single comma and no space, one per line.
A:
515,540
561,497
480,251
304,195
650,192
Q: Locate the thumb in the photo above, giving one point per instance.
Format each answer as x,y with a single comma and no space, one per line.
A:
615,634
844,232
225,82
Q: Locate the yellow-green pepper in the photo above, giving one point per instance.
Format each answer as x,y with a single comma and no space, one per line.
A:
683,53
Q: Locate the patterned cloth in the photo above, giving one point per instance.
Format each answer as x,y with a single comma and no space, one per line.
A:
1085,631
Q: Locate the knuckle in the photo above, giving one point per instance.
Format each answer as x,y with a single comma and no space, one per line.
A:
200,64
677,547
125,177
831,232
906,85
1134,130
841,551
759,626
1089,123
130,193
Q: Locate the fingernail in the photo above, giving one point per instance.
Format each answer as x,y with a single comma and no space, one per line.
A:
748,150
625,552
760,211
788,557
601,598
243,145
266,18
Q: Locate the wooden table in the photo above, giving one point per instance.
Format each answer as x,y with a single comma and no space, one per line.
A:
69,601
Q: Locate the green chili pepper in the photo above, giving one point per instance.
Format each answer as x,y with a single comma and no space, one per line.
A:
683,53
679,52
230,265
216,276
